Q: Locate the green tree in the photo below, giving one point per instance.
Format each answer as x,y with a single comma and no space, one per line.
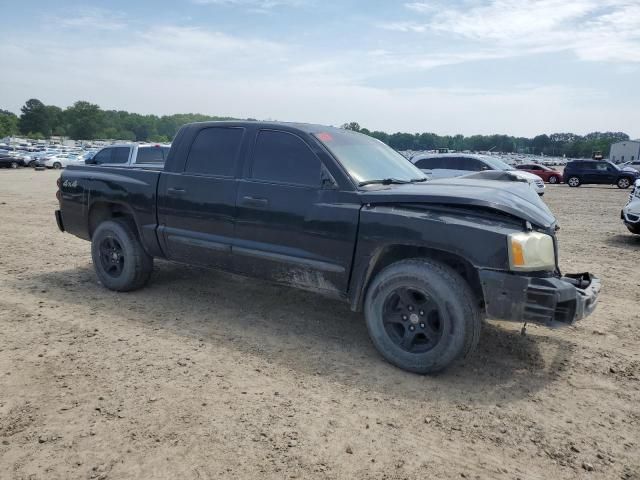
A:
8,123
84,120
34,118
355,126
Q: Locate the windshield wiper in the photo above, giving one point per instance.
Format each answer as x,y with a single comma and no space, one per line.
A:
421,179
383,181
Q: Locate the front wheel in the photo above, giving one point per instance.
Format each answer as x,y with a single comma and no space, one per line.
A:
14,165
422,315
573,182
635,229
623,182
57,165
553,179
119,258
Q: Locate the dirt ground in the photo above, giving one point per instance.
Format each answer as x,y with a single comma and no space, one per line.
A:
203,375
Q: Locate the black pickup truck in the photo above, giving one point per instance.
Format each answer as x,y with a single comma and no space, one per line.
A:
339,213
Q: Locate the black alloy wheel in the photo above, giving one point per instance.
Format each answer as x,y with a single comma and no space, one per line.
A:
112,256
412,320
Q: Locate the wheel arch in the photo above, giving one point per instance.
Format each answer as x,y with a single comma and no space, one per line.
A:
101,211
390,254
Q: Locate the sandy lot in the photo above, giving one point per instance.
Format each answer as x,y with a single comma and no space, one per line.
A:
203,375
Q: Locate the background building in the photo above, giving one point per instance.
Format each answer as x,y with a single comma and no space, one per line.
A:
625,151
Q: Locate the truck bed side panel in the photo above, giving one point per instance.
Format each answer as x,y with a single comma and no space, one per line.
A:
85,188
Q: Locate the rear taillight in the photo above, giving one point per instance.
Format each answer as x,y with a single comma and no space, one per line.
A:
58,194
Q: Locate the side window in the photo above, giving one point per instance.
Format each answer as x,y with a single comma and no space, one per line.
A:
103,156
165,152
120,154
602,167
465,163
428,163
284,158
149,155
472,164
214,151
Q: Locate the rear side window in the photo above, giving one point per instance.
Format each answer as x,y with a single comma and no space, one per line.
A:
214,151
150,155
103,156
284,158
112,155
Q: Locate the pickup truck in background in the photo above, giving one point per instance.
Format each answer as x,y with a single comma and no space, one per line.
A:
130,154
339,213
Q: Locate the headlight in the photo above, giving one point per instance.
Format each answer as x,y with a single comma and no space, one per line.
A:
529,251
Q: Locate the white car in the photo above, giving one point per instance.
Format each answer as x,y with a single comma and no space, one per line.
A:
631,212
61,161
447,165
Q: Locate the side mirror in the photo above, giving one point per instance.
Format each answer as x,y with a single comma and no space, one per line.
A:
90,161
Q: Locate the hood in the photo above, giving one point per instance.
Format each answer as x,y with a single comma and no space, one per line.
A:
528,176
514,198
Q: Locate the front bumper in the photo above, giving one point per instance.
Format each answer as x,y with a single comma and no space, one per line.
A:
552,301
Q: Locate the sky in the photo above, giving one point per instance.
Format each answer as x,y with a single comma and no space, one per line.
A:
518,67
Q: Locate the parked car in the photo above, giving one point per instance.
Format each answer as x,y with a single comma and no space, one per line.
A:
456,164
631,212
582,172
545,173
635,165
62,160
339,213
8,161
130,154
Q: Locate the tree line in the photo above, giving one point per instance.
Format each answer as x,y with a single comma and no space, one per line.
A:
555,144
87,121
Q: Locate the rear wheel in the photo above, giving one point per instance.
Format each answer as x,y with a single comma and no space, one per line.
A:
14,165
118,257
573,182
421,315
624,182
553,179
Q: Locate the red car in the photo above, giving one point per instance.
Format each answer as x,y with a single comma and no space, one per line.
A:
547,174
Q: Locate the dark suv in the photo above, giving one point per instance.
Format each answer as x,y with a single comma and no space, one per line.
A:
580,172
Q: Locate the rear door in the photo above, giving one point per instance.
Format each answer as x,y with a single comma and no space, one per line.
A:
293,223
196,203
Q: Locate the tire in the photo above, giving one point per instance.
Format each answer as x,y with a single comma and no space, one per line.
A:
31,164
118,257
432,299
574,181
624,182
14,165
553,179
635,229
57,165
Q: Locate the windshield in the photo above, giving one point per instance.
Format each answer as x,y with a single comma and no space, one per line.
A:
497,164
366,158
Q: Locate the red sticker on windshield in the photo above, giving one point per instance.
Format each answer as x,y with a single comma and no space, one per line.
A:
324,137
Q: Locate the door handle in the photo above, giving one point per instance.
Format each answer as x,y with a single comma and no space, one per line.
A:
175,191
255,202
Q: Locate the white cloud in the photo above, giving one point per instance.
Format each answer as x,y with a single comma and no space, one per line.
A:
88,18
260,6
595,30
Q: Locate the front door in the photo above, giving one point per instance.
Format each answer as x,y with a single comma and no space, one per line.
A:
291,226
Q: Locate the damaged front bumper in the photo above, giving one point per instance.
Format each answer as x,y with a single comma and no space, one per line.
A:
548,301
